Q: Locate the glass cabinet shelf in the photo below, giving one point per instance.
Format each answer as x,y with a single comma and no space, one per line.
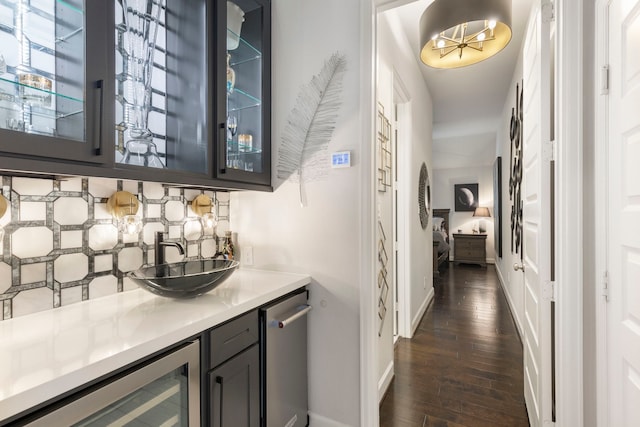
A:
241,100
237,148
245,51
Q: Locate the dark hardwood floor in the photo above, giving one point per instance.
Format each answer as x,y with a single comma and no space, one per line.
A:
463,366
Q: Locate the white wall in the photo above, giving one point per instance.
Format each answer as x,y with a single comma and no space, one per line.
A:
445,179
398,70
323,238
512,282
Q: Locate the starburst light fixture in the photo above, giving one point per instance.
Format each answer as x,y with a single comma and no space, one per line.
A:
457,33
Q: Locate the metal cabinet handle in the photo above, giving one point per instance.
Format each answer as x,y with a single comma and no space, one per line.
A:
97,137
222,140
301,311
517,266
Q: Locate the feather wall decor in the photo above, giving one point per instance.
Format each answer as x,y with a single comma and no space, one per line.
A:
302,156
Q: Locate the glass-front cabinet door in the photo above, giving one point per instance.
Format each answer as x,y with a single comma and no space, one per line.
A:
243,109
163,85
53,97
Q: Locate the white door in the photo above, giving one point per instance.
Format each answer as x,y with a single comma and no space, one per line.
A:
536,219
623,309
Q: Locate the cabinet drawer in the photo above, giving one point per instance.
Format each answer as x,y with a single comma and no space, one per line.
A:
233,337
467,254
474,245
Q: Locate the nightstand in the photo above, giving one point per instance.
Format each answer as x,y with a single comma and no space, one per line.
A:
470,249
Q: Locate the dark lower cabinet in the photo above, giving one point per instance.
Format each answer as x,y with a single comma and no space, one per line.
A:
234,388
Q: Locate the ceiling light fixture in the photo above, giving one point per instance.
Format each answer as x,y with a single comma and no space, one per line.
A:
457,33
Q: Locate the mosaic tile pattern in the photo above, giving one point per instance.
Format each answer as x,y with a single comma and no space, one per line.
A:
62,246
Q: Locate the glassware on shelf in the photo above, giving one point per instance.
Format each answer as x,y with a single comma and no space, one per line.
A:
235,18
245,142
141,19
232,127
10,112
142,152
35,89
231,76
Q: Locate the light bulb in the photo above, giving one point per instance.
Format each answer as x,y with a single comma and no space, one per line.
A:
435,36
209,221
481,37
492,24
440,44
130,224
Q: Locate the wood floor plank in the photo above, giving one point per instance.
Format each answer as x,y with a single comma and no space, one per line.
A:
463,367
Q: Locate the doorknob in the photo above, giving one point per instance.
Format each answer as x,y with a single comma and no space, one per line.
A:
517,266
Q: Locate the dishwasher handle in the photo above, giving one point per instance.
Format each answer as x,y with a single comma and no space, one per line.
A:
301,311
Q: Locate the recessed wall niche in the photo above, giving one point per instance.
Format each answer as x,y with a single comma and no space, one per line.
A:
61,245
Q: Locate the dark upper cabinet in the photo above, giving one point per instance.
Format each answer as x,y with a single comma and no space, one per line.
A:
98,88
55,91
243,113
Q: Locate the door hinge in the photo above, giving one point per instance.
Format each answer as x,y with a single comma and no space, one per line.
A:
549,291
605,286
549,151
548,11
604,80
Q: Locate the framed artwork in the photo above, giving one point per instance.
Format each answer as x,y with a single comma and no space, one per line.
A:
497,205
466,197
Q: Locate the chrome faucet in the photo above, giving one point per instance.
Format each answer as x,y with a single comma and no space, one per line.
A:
160,246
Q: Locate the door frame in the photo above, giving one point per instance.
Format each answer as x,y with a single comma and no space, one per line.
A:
402,203
601,216
569,224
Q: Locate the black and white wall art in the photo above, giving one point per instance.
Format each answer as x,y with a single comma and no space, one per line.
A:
466,197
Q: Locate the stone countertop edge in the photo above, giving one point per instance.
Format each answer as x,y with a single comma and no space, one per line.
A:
48,353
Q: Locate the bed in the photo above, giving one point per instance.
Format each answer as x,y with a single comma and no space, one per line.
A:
440,239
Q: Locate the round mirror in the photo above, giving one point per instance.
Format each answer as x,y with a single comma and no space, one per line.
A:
424,196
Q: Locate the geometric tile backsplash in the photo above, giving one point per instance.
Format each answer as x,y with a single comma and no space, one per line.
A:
61,245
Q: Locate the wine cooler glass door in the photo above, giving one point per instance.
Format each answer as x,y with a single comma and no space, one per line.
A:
164,392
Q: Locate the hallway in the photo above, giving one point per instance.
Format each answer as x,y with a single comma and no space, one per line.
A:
463,366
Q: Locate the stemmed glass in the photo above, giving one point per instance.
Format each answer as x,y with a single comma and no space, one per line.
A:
232,125
232,129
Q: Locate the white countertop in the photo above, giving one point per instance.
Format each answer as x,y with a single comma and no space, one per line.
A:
45,354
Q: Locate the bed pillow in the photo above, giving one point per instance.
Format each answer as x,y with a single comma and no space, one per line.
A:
437,223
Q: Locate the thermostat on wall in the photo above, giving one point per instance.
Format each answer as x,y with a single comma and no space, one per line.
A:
341,159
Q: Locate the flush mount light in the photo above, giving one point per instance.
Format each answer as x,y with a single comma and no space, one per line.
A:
203,207
457,33
124,206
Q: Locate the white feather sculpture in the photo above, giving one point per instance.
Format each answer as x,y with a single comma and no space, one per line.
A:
302,156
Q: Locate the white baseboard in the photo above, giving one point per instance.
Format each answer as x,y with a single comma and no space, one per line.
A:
316,420
385,381
512,309
418,317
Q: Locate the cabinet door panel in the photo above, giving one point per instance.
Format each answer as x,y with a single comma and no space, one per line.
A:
243,110
55,89
234,390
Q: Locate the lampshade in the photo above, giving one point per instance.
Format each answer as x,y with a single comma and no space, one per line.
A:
482,212
457,33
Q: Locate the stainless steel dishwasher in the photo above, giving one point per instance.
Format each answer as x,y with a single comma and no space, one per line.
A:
284,362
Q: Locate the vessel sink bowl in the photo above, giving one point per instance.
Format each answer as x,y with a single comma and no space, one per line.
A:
186,279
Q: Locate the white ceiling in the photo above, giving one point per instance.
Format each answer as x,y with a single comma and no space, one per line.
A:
467,101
